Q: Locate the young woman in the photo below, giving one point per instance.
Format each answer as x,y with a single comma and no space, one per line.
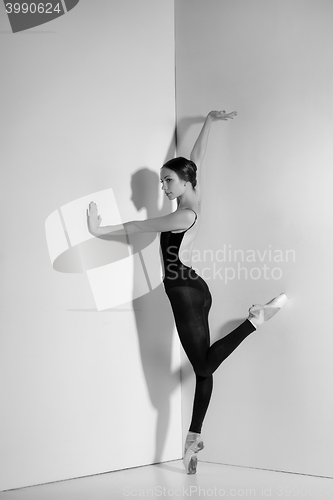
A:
188,293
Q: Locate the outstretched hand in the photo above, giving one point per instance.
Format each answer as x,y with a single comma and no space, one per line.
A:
222,115
93,219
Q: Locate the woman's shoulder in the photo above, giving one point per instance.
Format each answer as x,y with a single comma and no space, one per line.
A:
193,209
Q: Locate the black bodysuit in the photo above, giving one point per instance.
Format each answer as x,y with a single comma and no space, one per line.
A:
175,272
191,301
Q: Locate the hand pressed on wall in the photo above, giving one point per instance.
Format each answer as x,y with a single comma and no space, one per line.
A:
93,219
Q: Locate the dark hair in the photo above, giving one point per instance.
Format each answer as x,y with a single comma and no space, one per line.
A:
185,169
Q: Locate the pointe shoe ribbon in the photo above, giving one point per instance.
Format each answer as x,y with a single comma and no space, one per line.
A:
258,314
190,459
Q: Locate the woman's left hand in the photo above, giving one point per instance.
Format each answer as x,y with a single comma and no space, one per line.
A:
93,219
222,115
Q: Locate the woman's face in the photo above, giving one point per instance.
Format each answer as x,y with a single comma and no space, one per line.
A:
172,185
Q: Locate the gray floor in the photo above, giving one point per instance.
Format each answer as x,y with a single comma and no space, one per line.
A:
168,480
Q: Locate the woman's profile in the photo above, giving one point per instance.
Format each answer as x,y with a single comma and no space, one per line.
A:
188,293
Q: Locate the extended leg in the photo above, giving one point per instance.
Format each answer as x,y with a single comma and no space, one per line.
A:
190,310
191,307
222,348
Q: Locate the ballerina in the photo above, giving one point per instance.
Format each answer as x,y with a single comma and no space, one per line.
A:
189,294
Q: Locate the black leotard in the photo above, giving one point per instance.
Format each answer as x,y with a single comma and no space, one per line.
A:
191,300
175,272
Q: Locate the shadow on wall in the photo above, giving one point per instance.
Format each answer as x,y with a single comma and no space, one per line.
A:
154,322
129,262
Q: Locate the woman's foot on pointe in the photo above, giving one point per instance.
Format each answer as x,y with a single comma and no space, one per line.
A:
193,445
258,313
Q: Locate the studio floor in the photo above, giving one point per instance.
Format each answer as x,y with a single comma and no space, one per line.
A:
168,480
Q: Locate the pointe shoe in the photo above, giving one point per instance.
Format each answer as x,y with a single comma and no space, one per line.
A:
258,314
190,458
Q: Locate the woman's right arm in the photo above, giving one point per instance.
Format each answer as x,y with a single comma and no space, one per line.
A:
178,220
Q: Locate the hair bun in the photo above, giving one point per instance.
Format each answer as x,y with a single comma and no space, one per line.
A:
184,168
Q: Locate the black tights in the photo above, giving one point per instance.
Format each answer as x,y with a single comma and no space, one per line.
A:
190,308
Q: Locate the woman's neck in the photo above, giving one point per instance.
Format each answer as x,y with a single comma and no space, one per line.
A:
187,199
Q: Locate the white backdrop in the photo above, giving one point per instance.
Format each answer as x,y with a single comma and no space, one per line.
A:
269,174
87,104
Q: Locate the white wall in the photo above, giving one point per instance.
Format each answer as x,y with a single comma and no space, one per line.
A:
86,102
270,177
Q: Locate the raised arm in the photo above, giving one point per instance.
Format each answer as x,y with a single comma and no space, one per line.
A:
200,146
180,219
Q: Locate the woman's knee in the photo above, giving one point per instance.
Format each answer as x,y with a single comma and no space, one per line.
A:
202,371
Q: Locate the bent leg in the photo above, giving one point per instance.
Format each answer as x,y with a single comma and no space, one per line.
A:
191,308
222,348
